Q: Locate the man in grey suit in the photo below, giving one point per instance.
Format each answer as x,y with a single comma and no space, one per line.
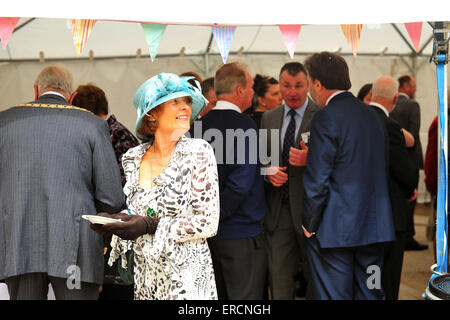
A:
407,114
284,185
56,164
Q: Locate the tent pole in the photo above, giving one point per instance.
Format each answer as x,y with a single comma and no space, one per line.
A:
425,45
440,58
413,51
411,68
23,24
206,59
176,55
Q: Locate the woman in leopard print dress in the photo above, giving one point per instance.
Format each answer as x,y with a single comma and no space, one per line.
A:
172,196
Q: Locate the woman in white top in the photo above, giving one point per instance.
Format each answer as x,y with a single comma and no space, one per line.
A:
172,196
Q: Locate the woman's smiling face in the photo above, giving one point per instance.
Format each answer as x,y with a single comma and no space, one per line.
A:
174,115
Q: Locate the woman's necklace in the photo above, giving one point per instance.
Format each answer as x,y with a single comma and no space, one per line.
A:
149,212
152,156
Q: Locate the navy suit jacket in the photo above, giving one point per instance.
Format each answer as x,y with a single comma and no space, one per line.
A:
346,198
241,185
402,173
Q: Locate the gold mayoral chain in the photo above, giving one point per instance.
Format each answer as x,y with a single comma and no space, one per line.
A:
53,106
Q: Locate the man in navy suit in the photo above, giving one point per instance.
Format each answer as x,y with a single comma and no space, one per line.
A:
402,183
238,250
346,209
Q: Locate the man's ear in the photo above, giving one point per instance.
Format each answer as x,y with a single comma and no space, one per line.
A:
260,101
71,97
239,90
395,99
36,92
317,84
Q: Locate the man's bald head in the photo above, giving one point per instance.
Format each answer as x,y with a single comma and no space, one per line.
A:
385,87
385,92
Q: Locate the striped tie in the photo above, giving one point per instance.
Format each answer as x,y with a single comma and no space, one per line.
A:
288,142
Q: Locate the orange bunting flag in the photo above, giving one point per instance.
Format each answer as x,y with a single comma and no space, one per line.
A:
7,26
352,32
415,31
81,29
290,34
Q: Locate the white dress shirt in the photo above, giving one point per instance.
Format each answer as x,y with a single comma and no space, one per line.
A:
225,105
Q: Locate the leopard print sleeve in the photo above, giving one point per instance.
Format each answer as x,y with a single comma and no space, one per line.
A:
204,202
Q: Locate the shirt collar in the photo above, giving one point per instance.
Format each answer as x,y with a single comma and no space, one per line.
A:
299,111
225,105
403,94
334,95
53,92
381,107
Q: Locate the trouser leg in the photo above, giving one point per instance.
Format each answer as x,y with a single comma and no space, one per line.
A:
30,286
284,257
87,291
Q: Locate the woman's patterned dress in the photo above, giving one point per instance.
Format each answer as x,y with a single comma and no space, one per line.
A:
175,262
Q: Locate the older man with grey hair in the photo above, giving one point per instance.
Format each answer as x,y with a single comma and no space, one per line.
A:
56,164
238,250
402,177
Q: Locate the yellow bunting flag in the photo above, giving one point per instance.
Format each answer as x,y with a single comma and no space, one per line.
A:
352,32
81,29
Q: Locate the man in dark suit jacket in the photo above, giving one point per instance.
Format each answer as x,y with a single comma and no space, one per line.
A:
346,209
56,164
402,183
407,114
238,250
284,185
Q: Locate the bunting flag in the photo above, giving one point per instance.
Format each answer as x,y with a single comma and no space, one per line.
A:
415,31
352,32
7,26
224,35
153,35
290,34
81,29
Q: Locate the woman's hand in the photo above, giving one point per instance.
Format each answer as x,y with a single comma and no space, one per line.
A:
132,227
98,228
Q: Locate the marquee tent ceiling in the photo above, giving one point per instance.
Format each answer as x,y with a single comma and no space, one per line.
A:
113,39
240,12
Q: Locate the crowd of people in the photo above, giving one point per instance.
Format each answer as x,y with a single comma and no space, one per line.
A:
231,188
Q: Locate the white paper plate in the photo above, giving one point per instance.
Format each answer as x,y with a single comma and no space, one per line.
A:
99,219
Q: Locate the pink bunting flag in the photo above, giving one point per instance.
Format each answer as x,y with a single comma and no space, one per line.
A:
415,31
290,34
352,32
81,29
224,35
7,26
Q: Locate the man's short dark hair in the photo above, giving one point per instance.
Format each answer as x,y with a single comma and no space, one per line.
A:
293,68
330,69
403,79
207,85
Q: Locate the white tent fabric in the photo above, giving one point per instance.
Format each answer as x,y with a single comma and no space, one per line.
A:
235,11
122,39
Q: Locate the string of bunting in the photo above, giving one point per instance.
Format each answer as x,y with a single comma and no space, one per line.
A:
223,35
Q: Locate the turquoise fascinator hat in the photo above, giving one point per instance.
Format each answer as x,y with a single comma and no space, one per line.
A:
164,87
